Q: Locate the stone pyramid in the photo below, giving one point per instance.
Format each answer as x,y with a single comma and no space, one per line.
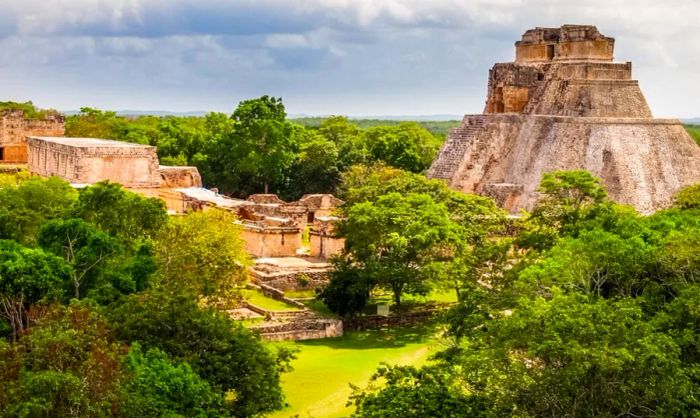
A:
564,104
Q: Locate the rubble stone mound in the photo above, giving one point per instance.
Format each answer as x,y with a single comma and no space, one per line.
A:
564,104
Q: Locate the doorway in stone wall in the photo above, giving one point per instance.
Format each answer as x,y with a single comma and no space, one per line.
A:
2,154
550,52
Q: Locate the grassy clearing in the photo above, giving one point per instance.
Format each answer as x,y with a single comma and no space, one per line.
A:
300,294
258,299
319,384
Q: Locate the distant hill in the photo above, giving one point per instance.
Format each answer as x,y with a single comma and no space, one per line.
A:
691,121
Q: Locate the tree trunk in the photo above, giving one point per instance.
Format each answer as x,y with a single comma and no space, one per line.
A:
266,188
397,297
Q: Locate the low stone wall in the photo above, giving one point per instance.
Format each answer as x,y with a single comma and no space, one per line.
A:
400,320
292,281
301,330
276,294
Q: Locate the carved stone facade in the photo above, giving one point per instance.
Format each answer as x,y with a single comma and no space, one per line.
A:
14,128
562,105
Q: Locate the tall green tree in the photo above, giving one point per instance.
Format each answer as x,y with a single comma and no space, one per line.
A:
203,254
157,387
26,206
407,146
230,358
28,276
315,167
67,367
396,238
258,152
85,248
120,213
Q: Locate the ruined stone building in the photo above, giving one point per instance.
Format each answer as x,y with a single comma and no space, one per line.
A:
565,104
271,227
89,160
15,127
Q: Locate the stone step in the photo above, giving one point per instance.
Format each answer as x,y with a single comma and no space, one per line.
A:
456,147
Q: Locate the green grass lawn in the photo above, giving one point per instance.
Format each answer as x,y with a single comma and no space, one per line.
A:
258,299
319,384
300,294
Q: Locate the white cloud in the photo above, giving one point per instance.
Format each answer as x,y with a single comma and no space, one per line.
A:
435,51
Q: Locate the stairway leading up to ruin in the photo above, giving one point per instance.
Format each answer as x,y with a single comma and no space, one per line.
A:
459,142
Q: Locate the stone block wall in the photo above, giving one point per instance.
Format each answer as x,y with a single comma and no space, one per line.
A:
301,330
91,161
566,43
292,281
14,128
179,177
262,241
324,246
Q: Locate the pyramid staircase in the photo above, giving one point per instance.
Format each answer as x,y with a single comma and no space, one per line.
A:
462,144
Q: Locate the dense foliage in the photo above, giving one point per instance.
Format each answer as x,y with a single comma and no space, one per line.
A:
592,314
105,308
408,235
257,149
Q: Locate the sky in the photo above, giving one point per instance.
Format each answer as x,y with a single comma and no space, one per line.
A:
351,57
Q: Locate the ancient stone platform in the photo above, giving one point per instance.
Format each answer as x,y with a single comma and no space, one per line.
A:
562,105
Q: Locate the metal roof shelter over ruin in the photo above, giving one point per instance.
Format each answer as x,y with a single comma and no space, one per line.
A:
565,104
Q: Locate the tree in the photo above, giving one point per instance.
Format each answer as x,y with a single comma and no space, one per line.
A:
569,198
688,197
484,253
407,146
27,277
69,367
597,262
315,168
579,356
229,357
120,213
157,387
202,253
25,207
348,290
396,237
406,391
94,123
348,139
85,248
258,152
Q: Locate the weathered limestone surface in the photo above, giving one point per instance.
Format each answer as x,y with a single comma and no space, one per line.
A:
179,176
291,273
89,160
324,242
575,109
269,241
14,127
